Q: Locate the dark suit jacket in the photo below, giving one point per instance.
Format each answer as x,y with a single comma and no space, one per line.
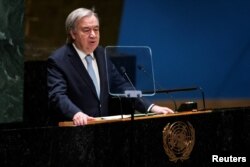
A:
71,89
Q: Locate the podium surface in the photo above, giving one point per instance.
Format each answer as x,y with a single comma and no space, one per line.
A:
127,117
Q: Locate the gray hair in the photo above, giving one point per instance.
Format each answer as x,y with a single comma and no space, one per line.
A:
73,17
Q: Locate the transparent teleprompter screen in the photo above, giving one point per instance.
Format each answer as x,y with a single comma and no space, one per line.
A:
135,65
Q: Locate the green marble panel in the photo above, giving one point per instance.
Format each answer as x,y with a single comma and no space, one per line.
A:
11,60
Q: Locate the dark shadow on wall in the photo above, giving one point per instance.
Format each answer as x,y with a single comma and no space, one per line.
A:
35,93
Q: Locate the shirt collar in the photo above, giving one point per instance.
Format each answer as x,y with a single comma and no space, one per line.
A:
81,53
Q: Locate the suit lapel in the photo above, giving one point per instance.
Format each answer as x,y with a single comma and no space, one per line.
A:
80,68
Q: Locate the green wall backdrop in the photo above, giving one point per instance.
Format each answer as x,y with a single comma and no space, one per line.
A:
11,60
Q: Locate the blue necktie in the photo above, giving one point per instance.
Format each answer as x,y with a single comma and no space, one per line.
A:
91,72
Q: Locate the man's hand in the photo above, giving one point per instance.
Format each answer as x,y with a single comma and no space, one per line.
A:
81,119
161,110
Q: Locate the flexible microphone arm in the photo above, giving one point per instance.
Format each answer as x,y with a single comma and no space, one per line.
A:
141,68
123,70
175,90
181,90
130,93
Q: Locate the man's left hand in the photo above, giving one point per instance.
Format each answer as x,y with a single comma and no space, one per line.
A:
161,110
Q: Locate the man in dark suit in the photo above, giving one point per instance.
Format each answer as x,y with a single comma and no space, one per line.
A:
73,93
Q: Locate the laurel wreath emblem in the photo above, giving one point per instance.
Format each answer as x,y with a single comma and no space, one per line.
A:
178,140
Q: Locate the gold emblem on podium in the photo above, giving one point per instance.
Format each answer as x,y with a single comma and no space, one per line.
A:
178,140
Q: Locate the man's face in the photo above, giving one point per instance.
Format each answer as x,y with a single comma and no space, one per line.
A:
86,34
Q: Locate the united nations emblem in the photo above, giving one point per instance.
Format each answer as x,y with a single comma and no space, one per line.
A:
178,140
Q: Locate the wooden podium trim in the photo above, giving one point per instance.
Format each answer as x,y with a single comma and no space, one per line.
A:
101,120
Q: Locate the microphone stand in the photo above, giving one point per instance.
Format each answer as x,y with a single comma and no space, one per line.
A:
132,95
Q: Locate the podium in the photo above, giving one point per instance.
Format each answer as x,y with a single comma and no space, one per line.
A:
122,142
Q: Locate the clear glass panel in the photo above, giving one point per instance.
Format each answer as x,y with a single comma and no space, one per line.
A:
135,65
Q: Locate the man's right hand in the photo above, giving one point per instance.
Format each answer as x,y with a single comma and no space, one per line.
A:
80,119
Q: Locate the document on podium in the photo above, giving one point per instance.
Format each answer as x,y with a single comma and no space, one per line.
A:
115,117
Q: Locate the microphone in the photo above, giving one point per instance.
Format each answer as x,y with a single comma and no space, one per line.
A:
123,70
141,68
130,93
